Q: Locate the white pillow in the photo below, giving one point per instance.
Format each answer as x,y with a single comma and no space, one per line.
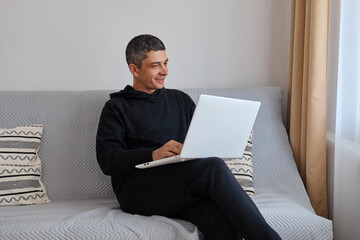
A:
242,168
20,166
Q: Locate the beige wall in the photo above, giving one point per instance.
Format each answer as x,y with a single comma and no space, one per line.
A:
79,44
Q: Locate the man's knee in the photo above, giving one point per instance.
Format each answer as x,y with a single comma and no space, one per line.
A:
217,163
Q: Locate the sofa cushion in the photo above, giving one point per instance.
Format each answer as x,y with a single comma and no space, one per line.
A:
88,219
20,166
242,169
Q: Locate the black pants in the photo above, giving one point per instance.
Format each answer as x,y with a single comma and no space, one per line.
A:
202,191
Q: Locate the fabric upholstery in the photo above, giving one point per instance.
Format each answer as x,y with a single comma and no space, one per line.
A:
74,181
242,169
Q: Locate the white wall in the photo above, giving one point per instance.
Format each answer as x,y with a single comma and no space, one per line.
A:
79,44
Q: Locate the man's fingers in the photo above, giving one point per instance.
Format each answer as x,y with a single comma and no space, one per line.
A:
174,147
174,144
169,149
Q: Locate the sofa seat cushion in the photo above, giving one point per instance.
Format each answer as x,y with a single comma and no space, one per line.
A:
290,216
88,219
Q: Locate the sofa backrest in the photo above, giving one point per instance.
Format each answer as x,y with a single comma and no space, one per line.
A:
67,149
70,120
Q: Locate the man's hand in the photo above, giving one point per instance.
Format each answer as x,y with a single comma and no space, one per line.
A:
171,148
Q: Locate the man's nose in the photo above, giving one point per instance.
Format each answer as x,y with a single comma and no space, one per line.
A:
164,69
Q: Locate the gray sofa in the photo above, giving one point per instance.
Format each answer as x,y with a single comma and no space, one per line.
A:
83,205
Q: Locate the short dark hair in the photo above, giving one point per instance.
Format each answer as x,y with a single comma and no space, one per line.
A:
139,46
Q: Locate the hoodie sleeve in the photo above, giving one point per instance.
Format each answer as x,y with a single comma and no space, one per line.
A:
112,154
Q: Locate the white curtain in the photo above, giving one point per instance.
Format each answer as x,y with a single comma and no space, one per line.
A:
347,133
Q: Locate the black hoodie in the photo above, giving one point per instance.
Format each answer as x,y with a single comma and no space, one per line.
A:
134,123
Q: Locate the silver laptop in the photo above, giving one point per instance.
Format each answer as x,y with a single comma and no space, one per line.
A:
220,127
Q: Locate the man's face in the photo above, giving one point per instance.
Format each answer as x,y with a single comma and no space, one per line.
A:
152,74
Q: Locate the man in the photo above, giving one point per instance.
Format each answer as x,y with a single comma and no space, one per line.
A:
148,122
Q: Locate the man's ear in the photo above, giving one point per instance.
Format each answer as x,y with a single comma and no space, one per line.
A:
134,69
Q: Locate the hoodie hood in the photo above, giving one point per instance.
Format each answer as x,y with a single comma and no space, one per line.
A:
130,92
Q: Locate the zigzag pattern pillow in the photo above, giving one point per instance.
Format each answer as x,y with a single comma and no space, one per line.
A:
242,168
20,166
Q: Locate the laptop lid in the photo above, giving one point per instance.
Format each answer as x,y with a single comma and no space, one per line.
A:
220,127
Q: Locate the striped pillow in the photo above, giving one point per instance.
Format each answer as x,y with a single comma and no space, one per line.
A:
242,168
20,166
